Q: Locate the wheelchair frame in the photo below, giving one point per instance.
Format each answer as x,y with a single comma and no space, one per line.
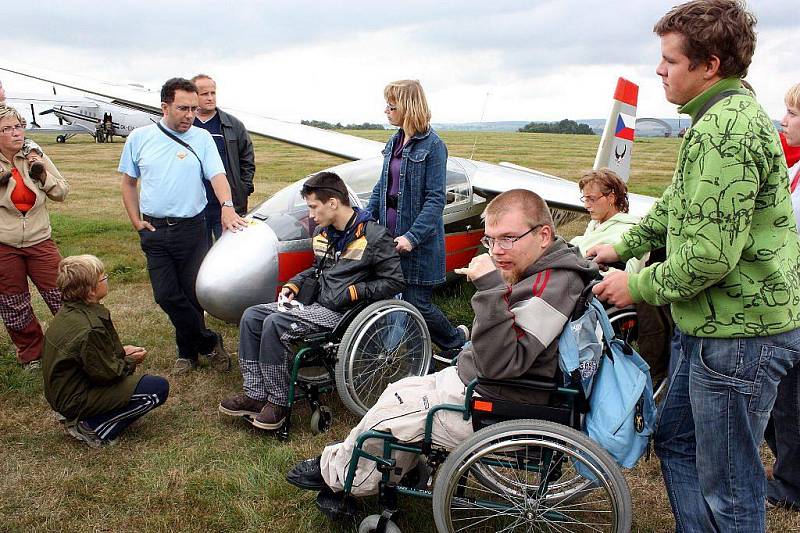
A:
323,349
566,412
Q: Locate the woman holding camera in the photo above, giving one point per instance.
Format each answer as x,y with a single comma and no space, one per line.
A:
27,179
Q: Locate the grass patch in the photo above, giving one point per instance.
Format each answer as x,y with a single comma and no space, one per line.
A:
184,467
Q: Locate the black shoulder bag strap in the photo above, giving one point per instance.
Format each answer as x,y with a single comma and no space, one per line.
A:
713,100
184,144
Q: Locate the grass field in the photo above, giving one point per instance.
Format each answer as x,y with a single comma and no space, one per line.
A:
183,467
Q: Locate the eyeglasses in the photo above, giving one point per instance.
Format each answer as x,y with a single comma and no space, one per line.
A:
8,129
104,278
506,243
186,108
390,107
592,199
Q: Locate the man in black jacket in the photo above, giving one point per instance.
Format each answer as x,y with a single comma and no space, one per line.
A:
234,147
355,260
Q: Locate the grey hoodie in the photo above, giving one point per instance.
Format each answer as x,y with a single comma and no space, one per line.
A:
516,328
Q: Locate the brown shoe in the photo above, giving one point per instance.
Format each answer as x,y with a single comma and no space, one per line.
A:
271,416
218,357
240,405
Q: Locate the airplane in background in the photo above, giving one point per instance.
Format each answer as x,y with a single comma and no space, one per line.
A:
76,115
250,266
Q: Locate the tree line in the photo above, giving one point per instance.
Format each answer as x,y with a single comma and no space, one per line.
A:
563,126
338,126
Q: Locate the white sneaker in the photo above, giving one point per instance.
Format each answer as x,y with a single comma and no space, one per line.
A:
465,329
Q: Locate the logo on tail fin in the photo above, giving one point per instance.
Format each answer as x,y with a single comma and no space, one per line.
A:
620,156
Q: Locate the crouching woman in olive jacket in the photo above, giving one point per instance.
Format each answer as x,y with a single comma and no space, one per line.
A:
88,373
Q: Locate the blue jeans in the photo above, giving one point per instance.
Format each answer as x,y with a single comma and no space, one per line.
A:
711,425
443,333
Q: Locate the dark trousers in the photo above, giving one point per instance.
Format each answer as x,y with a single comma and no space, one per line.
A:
443,333
783,437
151,392
213,223
174,254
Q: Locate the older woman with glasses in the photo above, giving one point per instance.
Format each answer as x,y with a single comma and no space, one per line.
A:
409,200
605,196
27,179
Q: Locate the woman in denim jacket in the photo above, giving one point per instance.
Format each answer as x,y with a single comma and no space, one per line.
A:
409,200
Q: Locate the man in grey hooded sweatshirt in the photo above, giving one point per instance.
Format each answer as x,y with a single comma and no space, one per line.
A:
527,287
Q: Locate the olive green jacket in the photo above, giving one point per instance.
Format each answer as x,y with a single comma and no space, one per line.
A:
83,363
733,255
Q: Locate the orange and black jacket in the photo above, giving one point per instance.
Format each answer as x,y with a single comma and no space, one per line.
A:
367,268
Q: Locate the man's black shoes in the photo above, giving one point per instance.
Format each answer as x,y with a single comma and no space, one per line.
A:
307,475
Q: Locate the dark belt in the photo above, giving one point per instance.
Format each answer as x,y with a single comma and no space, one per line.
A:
391,201
157,222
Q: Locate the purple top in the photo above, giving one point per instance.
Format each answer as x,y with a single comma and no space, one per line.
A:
394,183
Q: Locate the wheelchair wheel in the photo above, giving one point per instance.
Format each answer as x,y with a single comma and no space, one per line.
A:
384,343
321,420
625,323
544,477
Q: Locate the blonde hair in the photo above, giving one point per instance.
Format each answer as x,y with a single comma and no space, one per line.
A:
202,76
532,206
10,112
77,276
793,96
410,100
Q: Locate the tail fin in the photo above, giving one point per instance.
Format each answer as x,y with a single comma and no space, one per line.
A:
616,146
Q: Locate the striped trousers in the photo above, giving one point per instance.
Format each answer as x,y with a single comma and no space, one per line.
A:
151,392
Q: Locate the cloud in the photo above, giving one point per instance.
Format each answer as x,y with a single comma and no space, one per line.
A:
543,59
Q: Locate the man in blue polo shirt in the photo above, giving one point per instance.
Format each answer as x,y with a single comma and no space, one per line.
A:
171,160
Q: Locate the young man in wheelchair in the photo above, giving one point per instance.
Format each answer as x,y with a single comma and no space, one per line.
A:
527,287
355,260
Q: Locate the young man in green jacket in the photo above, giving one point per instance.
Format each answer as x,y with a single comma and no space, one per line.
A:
88,373
732,273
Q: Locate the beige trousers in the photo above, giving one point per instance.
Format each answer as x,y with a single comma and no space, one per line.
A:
400,410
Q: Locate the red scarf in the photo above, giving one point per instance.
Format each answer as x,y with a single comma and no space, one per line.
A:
792,152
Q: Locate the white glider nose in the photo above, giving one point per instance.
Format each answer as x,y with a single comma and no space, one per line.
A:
240,270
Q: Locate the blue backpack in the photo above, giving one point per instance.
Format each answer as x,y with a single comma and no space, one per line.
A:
616,381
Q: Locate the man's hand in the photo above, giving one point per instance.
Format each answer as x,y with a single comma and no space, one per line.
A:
402,244
143,224
136,354
614,290
603,254
287,294
479,266
231,220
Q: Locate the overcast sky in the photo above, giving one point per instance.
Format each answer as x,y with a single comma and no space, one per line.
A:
302,59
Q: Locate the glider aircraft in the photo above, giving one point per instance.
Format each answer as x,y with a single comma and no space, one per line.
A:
250,266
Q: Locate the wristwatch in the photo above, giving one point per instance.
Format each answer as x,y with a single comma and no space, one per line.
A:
227,203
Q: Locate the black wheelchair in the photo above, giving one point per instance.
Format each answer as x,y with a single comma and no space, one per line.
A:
373,345
527,467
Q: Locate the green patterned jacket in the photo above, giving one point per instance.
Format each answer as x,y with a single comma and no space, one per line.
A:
733,253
